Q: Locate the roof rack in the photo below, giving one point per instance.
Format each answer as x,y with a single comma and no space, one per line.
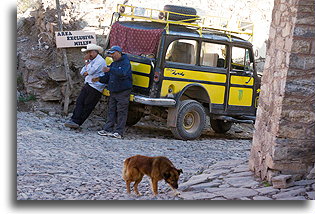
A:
202,24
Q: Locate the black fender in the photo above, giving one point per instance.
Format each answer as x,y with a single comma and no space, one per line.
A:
173,111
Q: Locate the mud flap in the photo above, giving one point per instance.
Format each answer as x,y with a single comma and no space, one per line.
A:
172,117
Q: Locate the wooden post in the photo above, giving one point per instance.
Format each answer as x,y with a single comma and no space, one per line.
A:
66,65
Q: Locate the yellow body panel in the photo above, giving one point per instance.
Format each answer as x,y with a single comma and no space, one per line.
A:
137,80
240,96
140,67
194,75
141,81
242,80
135,66
216,92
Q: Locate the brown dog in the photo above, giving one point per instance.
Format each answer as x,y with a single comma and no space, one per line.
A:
157,168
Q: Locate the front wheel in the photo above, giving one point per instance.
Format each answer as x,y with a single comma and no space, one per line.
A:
191,120
220,126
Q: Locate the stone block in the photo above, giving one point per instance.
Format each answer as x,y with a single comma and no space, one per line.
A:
205,185
236,193
311,195
311,174
299,116
57,74
242,182
313,47
309,3
267,190
214,189
186,195
282,181
271,173
218,199
216,173
287,30
279,153
289,194
306,9
261,198
226,164
297,198
240,174
301,46
304,31
305,19
197,179
290,189
52,95
303,182
302,62
287,47
242,168
196,196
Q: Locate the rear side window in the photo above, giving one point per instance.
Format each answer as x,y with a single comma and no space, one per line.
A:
213,55
182,51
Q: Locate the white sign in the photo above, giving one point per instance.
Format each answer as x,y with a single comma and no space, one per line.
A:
66,39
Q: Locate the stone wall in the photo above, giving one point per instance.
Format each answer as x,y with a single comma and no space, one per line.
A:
40,67
285,128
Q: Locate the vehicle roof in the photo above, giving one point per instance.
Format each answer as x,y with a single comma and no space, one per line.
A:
182,30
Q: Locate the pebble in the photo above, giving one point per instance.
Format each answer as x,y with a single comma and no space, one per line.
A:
56,163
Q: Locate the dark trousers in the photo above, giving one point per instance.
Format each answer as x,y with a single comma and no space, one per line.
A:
117,112
85,104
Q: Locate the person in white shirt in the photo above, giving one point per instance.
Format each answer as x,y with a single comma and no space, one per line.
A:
91,91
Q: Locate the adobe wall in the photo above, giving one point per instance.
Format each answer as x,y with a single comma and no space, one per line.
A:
284,140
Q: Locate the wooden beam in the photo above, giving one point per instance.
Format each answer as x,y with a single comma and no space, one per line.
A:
66,65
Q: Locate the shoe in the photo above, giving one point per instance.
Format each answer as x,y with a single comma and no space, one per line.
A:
116,135
104,133
71,124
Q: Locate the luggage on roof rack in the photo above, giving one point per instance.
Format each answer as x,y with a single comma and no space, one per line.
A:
186,16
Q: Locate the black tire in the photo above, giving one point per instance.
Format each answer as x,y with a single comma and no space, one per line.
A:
134,114
182,10
220,126
191,120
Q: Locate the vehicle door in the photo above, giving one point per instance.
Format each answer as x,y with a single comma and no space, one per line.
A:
240,97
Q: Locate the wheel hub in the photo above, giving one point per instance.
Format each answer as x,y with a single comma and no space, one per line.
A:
189,120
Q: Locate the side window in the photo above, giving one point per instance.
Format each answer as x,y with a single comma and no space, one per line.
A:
241,59
213,55
182,51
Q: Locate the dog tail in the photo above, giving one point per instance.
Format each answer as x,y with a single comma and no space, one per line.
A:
124,171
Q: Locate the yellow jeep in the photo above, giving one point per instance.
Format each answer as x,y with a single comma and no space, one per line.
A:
195,71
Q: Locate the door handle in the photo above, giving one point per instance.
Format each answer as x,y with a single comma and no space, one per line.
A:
249,79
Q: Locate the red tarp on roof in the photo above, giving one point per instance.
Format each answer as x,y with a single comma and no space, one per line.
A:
135,41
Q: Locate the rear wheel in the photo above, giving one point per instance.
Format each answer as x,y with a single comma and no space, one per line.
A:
220,126
190,120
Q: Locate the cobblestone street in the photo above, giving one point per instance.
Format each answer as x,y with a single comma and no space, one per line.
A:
56,163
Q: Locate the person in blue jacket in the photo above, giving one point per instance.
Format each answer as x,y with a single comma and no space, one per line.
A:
118,77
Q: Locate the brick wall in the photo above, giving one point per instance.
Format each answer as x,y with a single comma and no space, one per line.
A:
284,140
